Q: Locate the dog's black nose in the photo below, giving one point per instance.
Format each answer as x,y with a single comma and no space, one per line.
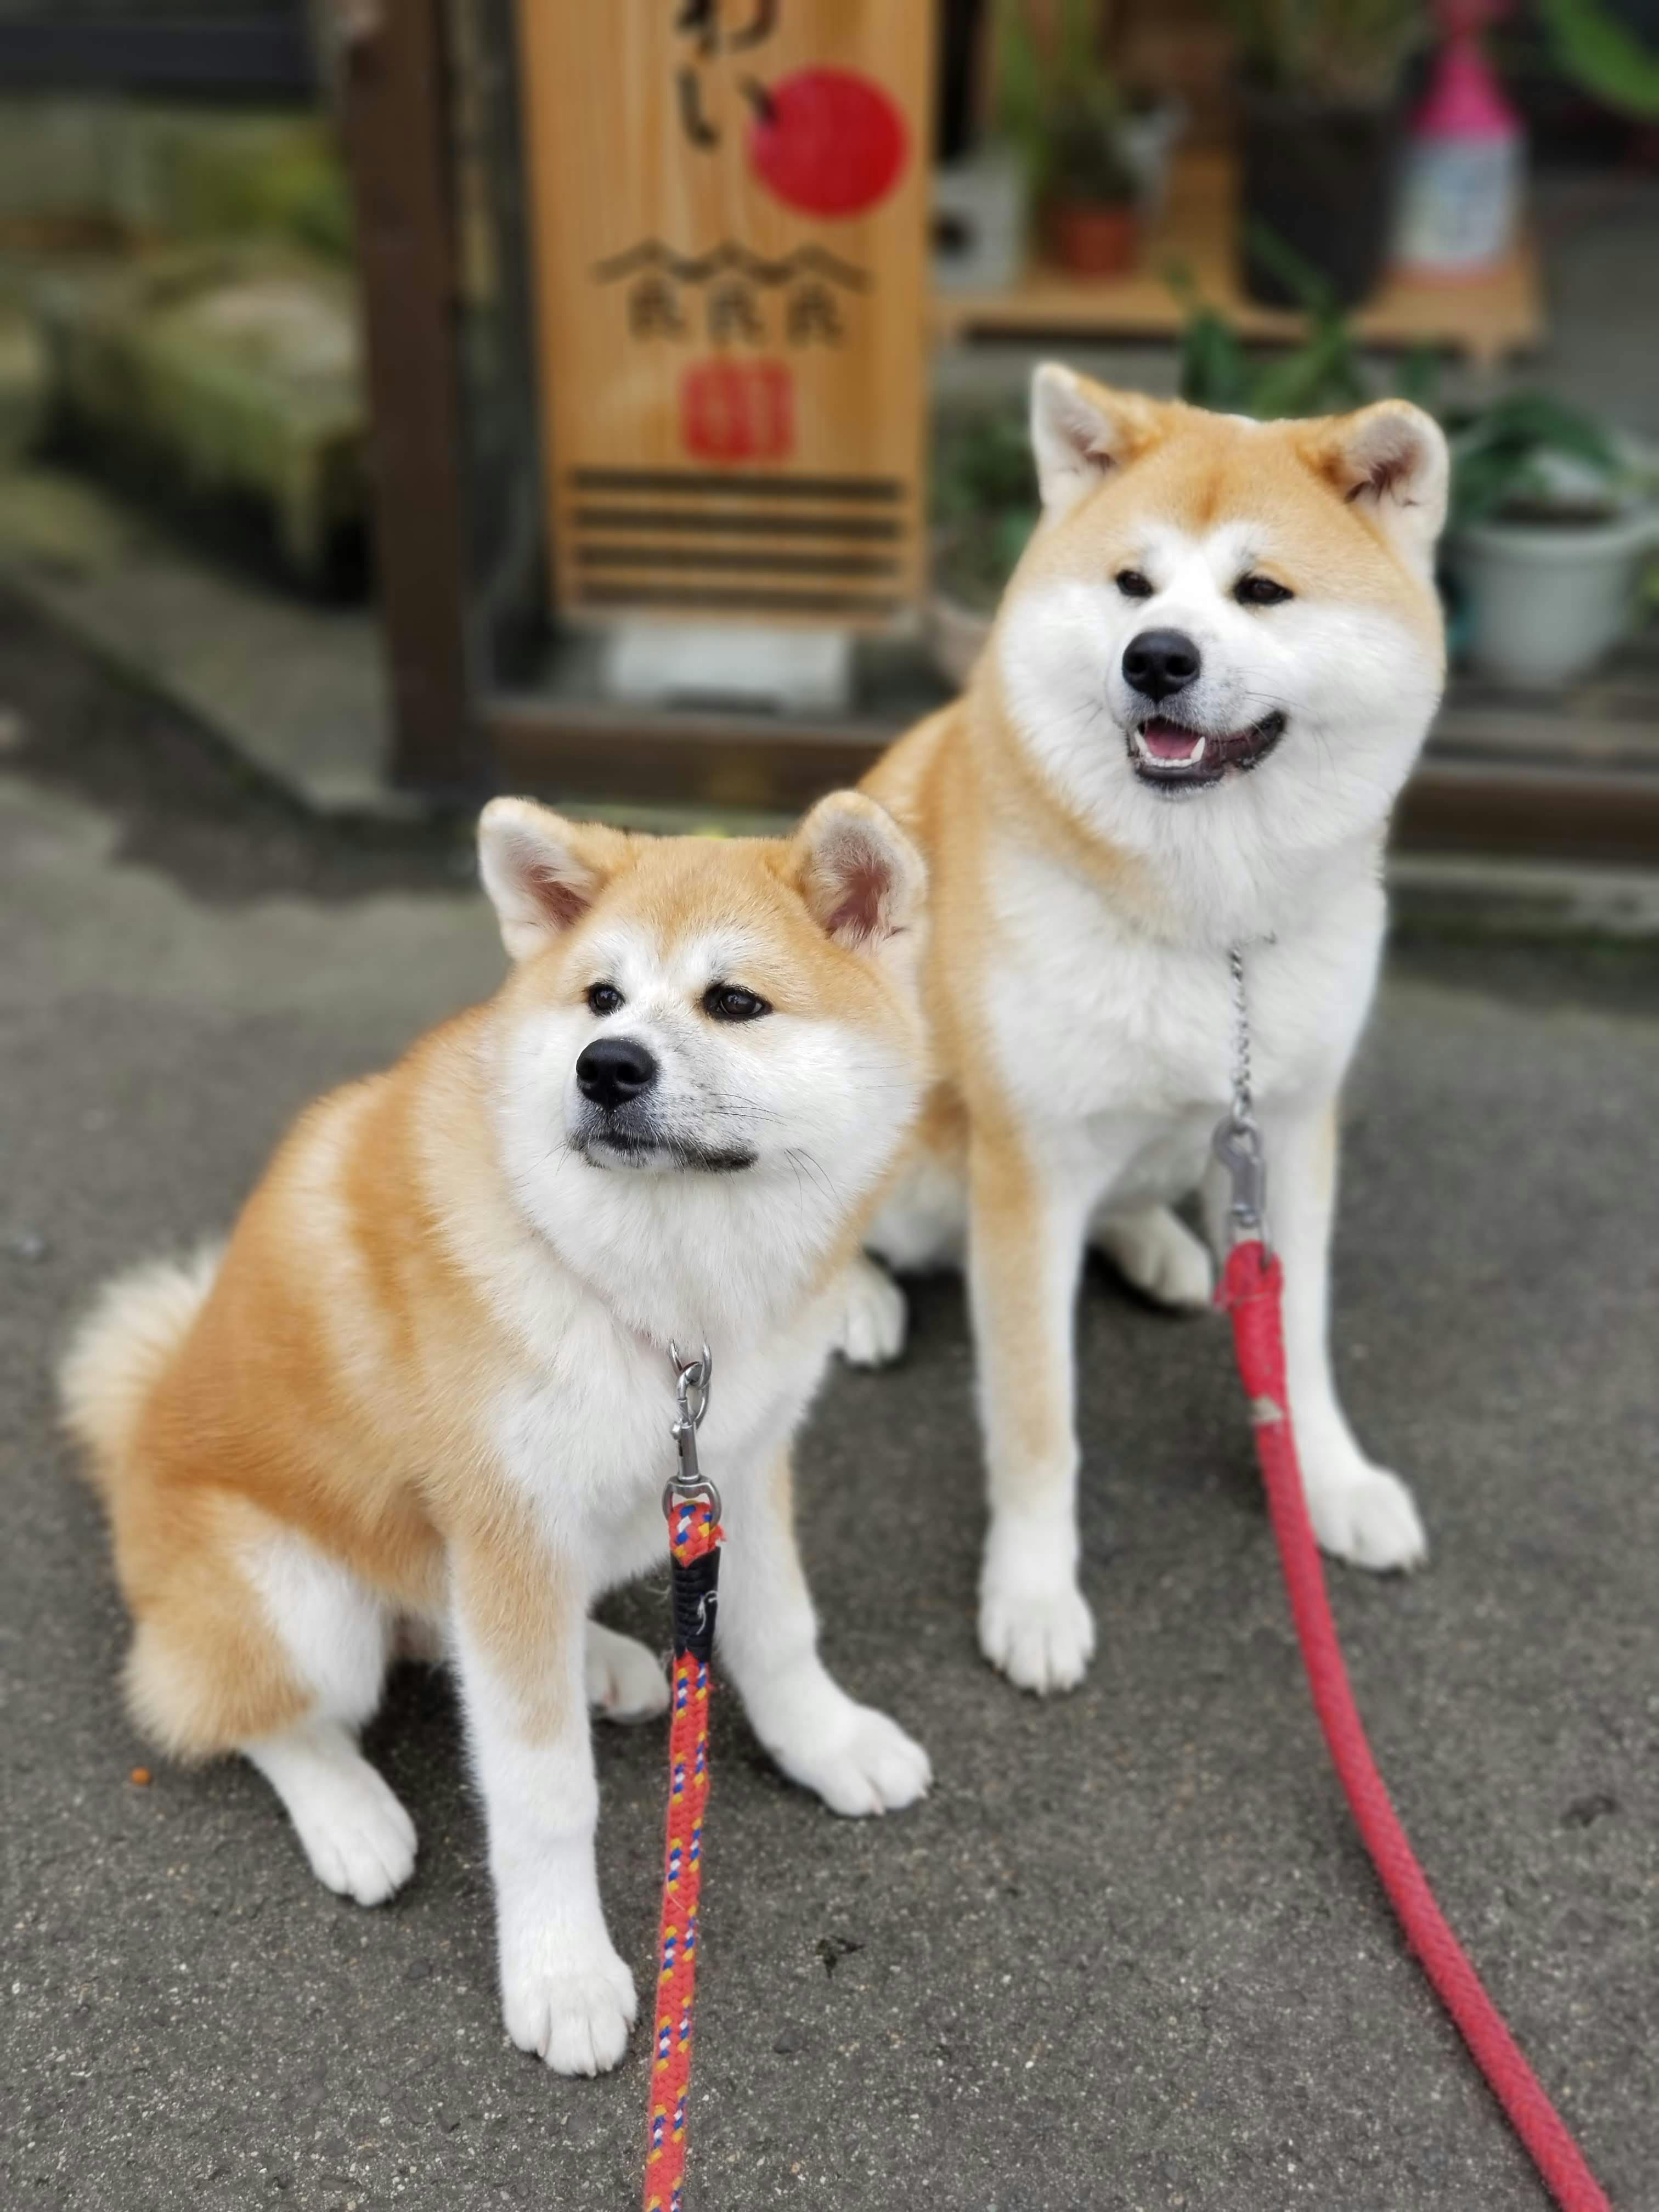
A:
612,1070
1159,661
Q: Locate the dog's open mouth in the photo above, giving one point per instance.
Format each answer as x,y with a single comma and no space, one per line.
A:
605,1148
1172,757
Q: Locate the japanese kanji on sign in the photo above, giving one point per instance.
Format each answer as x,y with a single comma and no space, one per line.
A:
729,204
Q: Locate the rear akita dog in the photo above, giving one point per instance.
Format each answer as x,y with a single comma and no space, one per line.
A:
428,1380
1209,677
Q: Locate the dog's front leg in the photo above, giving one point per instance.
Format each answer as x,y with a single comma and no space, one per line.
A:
1026,1227
1360,1513
766,1642
519,1630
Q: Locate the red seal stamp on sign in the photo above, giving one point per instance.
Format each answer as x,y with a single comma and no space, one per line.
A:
738,410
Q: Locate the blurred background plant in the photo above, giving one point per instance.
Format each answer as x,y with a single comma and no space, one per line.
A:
1064,110
1333,52
1604,55
1058,100
1319,136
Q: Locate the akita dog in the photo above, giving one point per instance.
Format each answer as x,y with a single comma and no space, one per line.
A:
428,1380
1209,677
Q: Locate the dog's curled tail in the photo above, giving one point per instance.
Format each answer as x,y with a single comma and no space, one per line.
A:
119,1350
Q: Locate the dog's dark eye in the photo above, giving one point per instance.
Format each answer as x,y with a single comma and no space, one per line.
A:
1132,584
730,1002
1260,591
603,999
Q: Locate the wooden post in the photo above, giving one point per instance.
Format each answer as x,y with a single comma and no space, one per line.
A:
393,100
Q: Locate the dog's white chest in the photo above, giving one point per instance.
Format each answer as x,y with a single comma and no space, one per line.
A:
1092,1021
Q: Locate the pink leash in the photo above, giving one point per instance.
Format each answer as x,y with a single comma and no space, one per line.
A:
1250,1293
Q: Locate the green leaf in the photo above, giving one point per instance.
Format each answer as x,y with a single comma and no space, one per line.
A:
1603,55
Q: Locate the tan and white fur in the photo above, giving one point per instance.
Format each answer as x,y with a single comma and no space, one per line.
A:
427,1381
1094,852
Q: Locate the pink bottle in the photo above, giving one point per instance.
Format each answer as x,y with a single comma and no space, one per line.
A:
1461,190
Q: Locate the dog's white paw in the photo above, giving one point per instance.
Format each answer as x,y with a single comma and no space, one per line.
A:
364,1846
872,1767
1367,1517
873,1316
625,1682
1034,1622
853,1757
574,2009
1041,1639
360,1841
1153,1249
358,1838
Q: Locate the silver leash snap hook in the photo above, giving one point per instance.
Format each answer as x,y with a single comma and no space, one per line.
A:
691,1380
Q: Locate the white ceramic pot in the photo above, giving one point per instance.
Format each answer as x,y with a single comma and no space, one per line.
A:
981,215
1545,603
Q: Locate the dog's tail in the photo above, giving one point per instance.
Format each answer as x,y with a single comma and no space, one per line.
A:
121,1350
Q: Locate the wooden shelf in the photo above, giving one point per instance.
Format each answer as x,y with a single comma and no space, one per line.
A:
1485,320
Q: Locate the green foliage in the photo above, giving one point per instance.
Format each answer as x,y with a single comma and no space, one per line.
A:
1603,55
1321,376
1328,50
271,177
1060,105
1501,461
1502,454
985,498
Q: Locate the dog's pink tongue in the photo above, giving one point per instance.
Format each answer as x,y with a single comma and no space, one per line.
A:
1168,741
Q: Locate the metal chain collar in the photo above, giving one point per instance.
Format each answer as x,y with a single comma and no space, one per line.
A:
1237,1140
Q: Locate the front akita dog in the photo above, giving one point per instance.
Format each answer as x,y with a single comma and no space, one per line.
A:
428,1380
1210,674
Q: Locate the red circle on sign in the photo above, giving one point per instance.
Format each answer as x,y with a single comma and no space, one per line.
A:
828,141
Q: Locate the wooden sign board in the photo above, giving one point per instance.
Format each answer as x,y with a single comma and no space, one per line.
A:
730,203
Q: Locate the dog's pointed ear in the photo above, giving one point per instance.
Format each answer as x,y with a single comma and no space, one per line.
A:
863,881
1082,430
541,871
1389,461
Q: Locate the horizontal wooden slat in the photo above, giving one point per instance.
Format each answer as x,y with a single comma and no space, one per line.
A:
697,560
738,483
726,522
735,599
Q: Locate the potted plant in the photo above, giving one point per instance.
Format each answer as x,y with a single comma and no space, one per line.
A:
1552,519
1318,136
1062,107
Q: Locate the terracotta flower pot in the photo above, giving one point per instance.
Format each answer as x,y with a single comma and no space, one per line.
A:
1093,241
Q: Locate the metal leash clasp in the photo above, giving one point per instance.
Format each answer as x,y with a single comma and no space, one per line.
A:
1238,1139
691,1380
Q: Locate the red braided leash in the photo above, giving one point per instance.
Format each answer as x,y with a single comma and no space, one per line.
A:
694,1541
1250,1293
693,1507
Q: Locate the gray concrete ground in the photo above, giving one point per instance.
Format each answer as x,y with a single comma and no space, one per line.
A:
1128,1954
